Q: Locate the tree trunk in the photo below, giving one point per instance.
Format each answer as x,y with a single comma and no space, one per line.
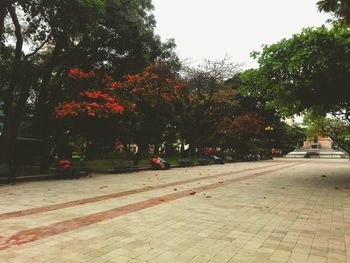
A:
4,5
42,114
6,139
42,127
10,131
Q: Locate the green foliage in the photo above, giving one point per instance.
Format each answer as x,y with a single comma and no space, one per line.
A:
308,71
337,129
115,39
291,137
95,4
112,36
313,124
340,8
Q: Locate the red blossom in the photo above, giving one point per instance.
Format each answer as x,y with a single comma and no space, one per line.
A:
79,74
249,124
153,76
166,97
179,86
94,104
68,109
102,104
148,86
115,107
65,164
116,85
107,78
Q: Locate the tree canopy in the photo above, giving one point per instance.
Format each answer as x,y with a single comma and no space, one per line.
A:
94,72
41,40
341,8
308,74
309,71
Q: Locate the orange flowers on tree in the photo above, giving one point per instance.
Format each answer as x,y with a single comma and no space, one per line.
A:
154,85
97,101
249,125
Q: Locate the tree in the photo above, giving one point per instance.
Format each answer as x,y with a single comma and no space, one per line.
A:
341,8
139,109
91,111
11,119
209,99
336,129
238,132
155,93
308,71
115,36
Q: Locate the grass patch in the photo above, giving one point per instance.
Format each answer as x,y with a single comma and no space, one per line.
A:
99,164
107,164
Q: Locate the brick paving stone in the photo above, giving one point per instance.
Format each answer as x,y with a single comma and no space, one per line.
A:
271,211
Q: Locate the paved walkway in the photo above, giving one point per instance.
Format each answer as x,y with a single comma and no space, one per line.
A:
271,211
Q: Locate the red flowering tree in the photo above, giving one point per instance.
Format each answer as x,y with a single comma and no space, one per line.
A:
249,125
153,86
139,109
240,131
155,94
90,109
92,96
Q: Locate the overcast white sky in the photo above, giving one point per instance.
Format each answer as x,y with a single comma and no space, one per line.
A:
211,29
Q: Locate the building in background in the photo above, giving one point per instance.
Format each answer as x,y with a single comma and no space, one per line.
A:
319,147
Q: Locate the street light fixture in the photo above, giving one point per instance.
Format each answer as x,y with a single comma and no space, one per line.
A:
268,128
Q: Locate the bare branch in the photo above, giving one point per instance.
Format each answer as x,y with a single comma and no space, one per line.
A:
38,48
18,56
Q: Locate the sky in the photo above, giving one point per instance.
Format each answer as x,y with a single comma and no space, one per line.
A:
208,29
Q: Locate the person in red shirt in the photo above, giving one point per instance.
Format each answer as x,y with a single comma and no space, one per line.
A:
160,163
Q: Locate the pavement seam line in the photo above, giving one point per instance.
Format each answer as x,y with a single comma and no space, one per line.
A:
94,199
34,234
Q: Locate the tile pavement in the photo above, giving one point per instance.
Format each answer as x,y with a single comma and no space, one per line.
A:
274,211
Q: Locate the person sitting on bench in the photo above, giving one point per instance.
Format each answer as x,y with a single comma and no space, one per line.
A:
159,163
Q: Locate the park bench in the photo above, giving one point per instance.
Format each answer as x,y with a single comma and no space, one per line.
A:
229,159
184,162
77,169
204,161
124,166
217,160
250,157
